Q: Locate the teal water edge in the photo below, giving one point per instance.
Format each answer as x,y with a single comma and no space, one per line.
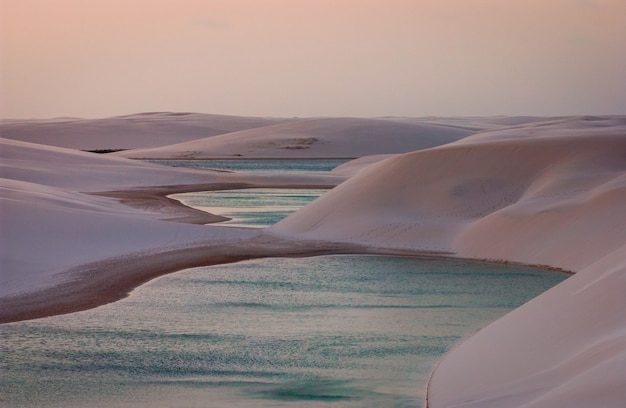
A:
332,331
250,207
269,165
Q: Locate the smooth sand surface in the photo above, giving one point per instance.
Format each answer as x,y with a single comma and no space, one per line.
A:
547,191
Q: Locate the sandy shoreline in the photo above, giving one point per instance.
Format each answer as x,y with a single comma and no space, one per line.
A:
156,199
98,283
106,281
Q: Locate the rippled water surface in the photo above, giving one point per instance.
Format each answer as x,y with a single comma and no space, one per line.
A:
334,331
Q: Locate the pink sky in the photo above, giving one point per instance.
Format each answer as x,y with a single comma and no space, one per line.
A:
95,58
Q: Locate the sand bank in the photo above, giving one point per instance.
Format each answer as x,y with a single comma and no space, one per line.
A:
98,283
94,284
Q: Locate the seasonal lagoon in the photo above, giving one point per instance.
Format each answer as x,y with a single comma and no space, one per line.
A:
341,331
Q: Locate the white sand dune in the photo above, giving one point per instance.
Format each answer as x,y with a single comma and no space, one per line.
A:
148,129
551,193
313,138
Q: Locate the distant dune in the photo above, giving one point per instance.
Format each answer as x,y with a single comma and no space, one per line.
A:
313,138
194,135
129,131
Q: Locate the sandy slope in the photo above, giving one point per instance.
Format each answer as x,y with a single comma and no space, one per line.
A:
127,132
550,193
314,138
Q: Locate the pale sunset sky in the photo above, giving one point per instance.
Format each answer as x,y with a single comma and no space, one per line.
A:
364,58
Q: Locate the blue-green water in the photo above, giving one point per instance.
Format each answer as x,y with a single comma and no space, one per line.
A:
250,207
334,331
282,166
